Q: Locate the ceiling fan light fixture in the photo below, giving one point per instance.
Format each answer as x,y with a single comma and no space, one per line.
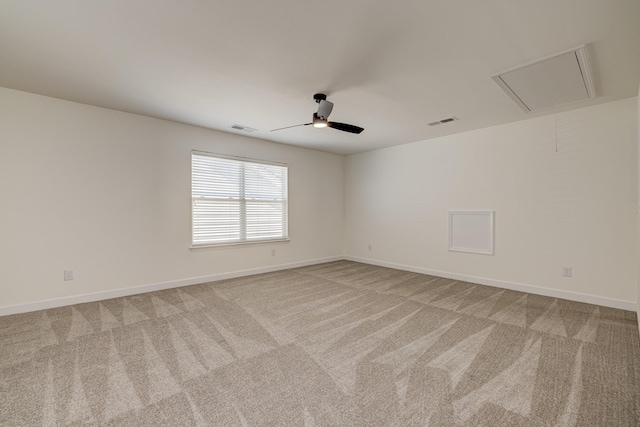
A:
319,122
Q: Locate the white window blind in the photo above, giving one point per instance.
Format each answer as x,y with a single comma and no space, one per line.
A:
237,200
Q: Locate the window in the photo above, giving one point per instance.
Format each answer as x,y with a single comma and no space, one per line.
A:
236,200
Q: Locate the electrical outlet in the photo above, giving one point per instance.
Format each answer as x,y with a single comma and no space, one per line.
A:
369,246
68,275
566,271
273,252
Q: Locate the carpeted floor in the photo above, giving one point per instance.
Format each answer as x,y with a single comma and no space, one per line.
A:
338,344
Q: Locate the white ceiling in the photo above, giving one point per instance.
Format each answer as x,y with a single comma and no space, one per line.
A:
388,66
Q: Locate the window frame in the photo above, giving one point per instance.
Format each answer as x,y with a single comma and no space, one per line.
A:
243,201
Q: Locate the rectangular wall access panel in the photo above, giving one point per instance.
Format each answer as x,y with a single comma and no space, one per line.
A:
471,231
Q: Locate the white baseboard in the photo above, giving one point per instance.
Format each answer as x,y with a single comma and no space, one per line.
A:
123,292
538,290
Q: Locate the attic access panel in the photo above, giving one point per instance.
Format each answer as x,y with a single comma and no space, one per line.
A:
561,79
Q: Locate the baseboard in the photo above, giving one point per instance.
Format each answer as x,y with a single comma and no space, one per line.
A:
123,292
134,290
538,290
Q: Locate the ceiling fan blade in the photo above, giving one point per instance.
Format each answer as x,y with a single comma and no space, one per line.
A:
324,109
289,127
345,127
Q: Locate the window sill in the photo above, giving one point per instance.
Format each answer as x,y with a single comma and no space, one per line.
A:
226,245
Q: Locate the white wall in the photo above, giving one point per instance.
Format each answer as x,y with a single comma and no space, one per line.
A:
574,207
107,194
638,212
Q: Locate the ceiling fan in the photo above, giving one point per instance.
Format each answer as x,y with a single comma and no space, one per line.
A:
321,116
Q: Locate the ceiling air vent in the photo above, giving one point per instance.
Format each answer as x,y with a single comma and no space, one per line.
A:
243,128
443,121
560,79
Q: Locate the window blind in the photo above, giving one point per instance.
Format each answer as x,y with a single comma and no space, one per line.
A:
237,200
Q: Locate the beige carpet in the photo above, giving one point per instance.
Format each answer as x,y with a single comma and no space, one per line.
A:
338,344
